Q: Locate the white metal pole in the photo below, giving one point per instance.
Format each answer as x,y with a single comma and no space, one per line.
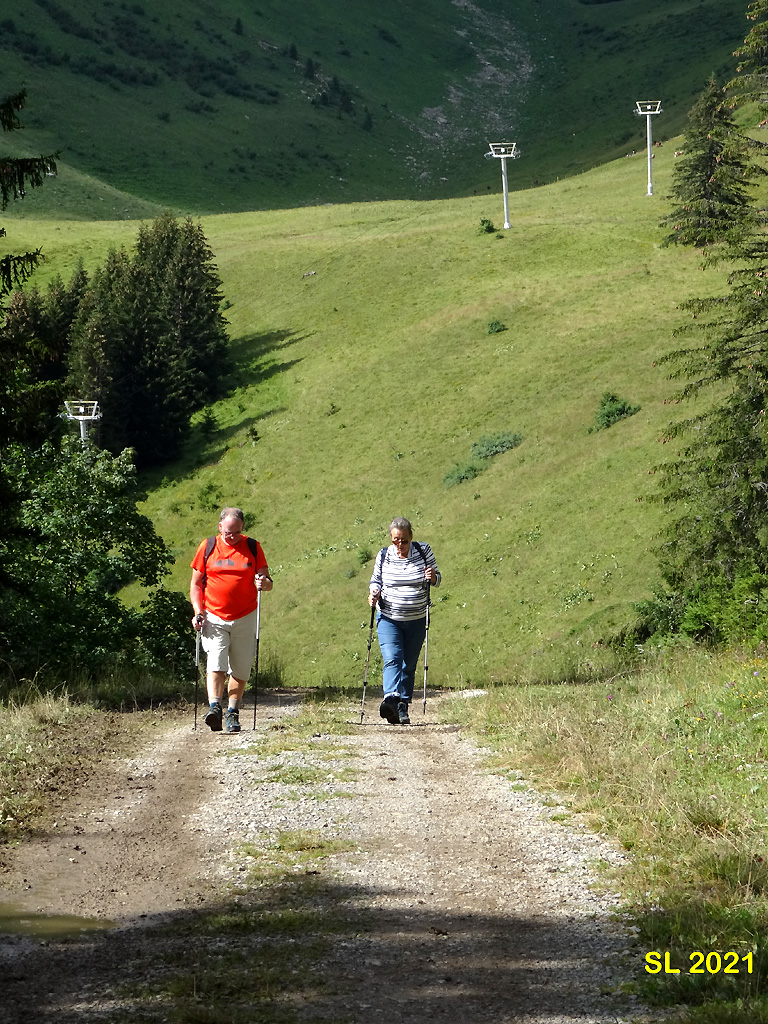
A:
506,191
650,156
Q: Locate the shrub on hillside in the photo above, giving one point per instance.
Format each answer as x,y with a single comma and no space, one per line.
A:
494,444
611,410
496,327
459,474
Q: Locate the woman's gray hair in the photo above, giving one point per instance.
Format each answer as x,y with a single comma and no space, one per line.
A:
234,513
399,523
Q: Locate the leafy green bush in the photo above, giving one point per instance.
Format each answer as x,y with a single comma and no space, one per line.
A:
461,473
496,327
494,444
486,227
612,409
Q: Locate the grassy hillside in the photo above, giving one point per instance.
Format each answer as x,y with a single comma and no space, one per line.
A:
365,373
239,107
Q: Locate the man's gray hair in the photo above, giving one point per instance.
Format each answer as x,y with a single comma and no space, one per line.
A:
233,513
399,523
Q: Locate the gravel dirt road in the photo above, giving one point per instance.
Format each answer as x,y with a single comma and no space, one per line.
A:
452,893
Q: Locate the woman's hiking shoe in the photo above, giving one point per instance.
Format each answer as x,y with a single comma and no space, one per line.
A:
233,720
402,713
388,710
213,718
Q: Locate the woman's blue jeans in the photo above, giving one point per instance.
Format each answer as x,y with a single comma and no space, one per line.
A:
401,644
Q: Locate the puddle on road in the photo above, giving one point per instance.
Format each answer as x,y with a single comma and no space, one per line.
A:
16,920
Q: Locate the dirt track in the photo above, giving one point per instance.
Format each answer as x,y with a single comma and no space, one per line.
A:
462,900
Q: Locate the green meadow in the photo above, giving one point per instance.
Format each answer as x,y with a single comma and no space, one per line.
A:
239,107
365,372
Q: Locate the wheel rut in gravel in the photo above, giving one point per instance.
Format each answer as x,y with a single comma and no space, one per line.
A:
460,899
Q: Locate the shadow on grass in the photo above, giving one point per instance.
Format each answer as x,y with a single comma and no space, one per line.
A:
306,948
249,354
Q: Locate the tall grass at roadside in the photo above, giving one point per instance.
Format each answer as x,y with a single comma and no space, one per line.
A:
48,748
671,760
116,688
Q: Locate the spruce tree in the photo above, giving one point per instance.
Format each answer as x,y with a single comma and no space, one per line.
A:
713,177
715,555
751,81
716,550
17,174
150,341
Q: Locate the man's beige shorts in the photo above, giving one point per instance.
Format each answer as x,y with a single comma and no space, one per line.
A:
231,646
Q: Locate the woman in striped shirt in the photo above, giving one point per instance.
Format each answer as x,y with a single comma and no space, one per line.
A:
402,576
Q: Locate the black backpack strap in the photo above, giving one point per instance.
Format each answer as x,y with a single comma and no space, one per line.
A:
426,566
420,551
210,544
253,545
380,559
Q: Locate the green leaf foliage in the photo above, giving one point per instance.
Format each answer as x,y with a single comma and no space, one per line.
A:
73,539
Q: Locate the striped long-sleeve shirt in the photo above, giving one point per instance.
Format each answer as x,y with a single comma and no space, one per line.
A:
401,581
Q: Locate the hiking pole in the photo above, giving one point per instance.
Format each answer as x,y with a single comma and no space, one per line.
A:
367,661
256,666
426,650
197,666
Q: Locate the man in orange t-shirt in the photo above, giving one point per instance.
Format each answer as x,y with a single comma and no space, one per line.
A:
224,592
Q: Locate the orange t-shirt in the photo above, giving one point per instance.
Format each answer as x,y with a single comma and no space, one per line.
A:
230,591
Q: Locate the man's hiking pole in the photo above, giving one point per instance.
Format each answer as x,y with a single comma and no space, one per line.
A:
256,666
197,667
367,661
426,649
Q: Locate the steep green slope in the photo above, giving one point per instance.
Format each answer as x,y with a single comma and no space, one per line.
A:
365,373
239,107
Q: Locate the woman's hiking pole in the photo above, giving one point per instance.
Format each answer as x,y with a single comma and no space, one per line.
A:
367,661
256,666
426,649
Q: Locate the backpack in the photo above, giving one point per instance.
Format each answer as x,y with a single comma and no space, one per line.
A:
210,544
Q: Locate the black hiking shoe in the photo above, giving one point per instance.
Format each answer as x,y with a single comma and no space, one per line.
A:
213,718
402,713
388,709
233,720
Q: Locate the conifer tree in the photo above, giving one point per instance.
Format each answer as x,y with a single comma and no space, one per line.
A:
716,552
150,341
751,81
713,177
17,174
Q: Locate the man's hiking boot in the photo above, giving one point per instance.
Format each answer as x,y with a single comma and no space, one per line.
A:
233,720
213,718
402,713
388,709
